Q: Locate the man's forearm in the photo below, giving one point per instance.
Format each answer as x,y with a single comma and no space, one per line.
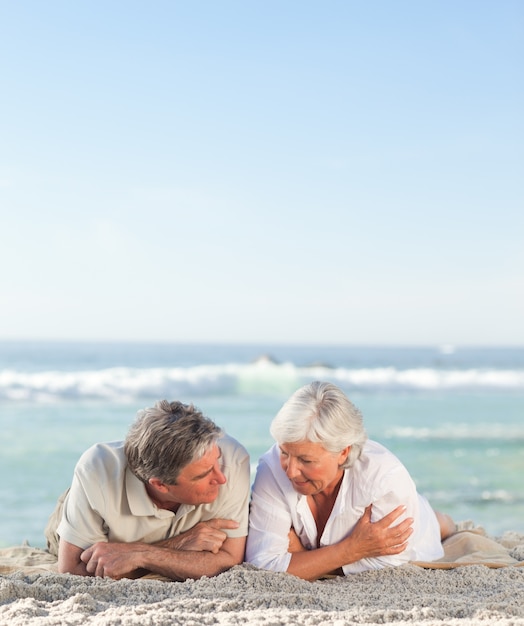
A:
127,560
183,564
78,569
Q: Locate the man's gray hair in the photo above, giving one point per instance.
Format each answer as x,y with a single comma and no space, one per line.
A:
321,413
167,437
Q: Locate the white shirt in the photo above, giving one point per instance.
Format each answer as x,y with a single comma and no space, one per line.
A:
107,502
377,478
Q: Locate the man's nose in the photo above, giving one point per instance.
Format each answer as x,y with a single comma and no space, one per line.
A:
219,476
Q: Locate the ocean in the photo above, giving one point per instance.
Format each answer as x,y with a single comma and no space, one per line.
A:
453,415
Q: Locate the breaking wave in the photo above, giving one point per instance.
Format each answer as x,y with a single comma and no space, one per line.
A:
262,377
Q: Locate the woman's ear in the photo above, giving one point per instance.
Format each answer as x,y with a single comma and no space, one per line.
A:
343,455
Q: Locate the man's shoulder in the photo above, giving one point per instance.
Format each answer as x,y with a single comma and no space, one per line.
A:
108,454
232,449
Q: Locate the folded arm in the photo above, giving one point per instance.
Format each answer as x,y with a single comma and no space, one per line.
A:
367,540
204,550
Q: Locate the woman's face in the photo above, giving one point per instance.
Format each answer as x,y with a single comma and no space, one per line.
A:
311,468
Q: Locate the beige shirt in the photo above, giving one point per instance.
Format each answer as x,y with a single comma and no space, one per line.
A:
107,502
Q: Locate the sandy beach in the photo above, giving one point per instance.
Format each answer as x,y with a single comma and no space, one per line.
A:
472,595
450,592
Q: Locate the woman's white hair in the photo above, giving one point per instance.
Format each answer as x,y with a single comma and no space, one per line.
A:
321,413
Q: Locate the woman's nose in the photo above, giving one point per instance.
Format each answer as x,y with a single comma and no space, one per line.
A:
291,468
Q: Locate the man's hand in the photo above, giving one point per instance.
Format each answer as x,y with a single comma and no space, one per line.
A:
205,536
115,560
119,560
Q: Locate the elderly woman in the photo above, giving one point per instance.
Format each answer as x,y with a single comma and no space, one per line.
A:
326,500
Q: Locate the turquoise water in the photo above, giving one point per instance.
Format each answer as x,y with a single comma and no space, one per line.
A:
455,417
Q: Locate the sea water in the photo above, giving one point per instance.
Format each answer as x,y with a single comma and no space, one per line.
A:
454,416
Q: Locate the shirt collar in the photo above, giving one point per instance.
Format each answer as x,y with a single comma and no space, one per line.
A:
140,503
302,506
340,502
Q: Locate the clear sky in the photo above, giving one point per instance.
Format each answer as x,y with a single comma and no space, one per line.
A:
263,171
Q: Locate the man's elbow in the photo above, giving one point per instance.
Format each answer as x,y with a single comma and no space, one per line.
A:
231,560
69,561
225,562
78,570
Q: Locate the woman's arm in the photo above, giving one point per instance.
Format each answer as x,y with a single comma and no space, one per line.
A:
270,522
368,539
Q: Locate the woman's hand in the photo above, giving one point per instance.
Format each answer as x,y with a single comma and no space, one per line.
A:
295,545
371,539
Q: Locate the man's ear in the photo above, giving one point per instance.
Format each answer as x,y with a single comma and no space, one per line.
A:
157,484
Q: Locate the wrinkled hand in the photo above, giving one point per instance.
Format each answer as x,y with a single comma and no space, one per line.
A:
204,536
295,545
114,560
380,538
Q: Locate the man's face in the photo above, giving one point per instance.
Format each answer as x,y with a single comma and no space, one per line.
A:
199,482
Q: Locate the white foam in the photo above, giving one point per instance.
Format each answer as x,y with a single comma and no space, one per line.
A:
432,379
460,432
263,376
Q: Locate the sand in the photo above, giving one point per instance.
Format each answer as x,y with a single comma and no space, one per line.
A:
471,595
465,595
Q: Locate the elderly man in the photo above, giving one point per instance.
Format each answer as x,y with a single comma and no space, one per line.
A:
172,499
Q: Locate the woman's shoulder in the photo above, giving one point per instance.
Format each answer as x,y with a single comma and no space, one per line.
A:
374,447
376,456
270,459
269,470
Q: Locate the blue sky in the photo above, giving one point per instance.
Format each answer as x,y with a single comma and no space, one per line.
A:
262,171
